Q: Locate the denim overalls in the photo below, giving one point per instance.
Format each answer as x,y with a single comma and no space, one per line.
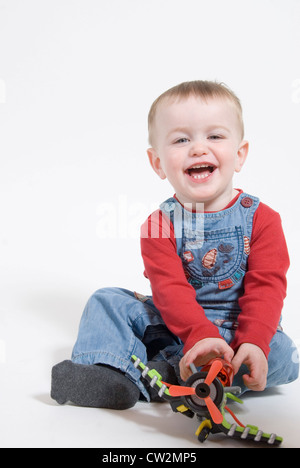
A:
214,249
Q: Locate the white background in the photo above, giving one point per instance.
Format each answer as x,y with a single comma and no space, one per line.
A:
77,78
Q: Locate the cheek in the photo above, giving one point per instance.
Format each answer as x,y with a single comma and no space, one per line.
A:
229,161
170,166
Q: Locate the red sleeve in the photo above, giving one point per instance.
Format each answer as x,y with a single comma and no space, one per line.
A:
173,296
265,281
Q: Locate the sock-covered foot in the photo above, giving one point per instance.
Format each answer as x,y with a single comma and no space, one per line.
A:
96,386
168,375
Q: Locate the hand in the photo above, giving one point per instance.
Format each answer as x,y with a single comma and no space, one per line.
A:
257,363
202,352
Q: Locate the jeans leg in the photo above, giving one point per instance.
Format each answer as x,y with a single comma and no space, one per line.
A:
113,328
283,360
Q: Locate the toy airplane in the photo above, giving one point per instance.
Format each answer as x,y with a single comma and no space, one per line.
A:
205,394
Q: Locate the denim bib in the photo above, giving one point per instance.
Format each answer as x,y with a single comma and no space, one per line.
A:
214,249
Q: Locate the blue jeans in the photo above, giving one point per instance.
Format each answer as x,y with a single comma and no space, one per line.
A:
117,323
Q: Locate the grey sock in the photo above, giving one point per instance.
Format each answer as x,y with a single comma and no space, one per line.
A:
97,386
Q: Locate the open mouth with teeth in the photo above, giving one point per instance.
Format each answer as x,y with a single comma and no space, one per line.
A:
200,171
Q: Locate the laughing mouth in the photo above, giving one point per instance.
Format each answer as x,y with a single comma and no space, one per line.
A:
200,171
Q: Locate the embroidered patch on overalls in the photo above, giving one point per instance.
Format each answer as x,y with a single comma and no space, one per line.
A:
209,259
246,245
196,283
226,324
188,256
238,275
226,284
225,248
140,297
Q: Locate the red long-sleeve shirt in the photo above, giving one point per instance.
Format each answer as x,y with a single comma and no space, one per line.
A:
264,282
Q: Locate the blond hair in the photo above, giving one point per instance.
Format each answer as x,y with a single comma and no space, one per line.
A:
203,89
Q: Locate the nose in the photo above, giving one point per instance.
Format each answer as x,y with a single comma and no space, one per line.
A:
199,148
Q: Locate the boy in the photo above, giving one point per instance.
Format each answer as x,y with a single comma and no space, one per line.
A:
216,259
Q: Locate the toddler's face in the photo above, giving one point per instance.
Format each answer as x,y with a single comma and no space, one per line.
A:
198,148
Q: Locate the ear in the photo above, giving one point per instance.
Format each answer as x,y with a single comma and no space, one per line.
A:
156,163
241,155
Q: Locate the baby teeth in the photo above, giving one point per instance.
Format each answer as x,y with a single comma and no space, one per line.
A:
199,176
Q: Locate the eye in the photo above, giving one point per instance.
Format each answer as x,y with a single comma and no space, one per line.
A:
181,140
215,137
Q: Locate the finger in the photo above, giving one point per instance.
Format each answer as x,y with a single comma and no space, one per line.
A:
191,356
236,362
250,382
228,355
203,357
185,373
253,384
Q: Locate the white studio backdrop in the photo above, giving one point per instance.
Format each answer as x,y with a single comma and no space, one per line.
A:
77,78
